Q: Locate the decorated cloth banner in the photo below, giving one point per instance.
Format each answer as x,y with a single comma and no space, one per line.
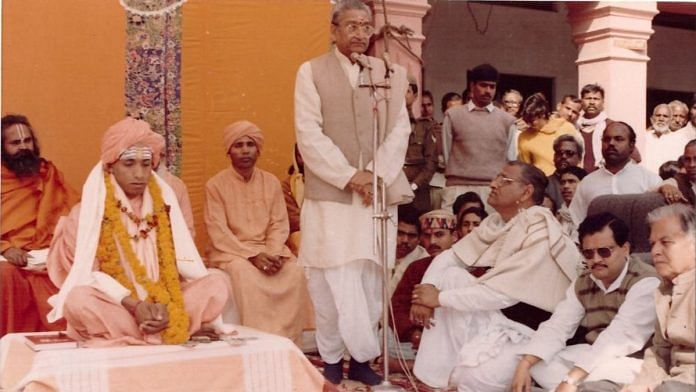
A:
153,70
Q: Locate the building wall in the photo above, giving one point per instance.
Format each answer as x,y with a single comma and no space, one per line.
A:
529,42
452,45
671,65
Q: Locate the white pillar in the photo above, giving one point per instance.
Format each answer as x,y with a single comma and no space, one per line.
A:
408,13
612,39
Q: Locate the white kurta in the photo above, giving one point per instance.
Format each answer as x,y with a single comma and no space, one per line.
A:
335,233
667,147
337,239
627,333
633,178
472,344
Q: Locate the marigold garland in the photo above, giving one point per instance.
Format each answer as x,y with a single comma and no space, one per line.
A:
167,290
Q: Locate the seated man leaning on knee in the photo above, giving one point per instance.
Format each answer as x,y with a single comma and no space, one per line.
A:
474,326
609,305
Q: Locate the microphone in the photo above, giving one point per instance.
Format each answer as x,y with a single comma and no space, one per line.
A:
361,59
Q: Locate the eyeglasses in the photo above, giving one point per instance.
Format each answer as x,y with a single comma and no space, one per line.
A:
566,153
512,103
353,28
503,180
602,252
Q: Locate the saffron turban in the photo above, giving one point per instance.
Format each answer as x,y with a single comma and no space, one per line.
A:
438,219
158,148
126,133
239,129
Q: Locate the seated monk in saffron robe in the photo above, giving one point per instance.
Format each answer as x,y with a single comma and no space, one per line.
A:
124,260
247,225
34,197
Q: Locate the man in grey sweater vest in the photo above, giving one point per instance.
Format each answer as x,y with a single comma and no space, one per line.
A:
476,138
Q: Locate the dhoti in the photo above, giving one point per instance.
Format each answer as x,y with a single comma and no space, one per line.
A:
476,350
348,304
277,304
95,318
23,300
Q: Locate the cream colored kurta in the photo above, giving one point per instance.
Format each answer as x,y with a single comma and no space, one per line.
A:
333,233
243,219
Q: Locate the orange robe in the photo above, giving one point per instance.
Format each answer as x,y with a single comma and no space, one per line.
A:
29,211
244,219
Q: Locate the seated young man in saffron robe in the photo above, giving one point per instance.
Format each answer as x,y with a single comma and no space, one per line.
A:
121,278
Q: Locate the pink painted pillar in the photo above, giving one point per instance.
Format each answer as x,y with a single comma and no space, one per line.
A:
612,39
408,13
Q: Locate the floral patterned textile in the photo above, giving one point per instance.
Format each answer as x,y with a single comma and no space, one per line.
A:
153,72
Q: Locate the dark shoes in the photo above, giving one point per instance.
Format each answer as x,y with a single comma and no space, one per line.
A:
334,372
361,371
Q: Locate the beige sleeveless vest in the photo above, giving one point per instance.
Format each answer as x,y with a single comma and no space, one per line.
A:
348,122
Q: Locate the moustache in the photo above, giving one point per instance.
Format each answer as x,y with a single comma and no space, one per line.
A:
434,248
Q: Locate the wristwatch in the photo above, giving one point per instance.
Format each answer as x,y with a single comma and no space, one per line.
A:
414,186
570,380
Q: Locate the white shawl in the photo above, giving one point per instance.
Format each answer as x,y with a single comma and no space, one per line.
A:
533,260
188,261
599,123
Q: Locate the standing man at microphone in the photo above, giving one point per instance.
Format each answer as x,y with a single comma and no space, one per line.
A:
334,125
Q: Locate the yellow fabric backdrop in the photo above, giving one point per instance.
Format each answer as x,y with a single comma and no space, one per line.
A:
63,67
239,62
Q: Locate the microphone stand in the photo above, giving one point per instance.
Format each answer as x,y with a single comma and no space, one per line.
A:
380,216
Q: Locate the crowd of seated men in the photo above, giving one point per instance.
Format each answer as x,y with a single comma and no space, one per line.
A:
501,279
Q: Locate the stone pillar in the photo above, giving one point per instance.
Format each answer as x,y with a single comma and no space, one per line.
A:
407,13
612,39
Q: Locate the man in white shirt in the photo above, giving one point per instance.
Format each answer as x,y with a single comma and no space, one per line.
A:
334,126
618,174
610,304
659,127
675,141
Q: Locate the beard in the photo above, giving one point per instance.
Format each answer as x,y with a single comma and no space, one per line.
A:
25,163
661,129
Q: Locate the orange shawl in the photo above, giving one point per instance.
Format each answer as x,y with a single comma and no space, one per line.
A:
31,207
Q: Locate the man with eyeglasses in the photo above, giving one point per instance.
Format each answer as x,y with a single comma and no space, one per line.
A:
334,127
609,305
567,151
617,174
